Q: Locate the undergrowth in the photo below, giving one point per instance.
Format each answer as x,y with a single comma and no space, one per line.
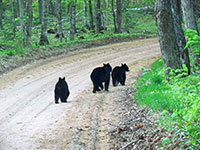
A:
178,99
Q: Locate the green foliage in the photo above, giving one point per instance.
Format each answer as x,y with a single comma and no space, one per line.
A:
193,41
178,99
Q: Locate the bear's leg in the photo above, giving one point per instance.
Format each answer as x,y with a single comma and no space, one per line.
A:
56,99
95,87
101,86
63,100
114,81
106,85
123,78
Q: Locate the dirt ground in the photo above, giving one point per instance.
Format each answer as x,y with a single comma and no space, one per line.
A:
30,120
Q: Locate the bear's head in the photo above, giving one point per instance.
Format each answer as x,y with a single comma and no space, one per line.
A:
125,67
107,67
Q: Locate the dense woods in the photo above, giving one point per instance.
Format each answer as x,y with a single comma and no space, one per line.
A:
49,23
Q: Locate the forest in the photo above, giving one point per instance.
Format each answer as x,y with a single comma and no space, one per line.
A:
33,30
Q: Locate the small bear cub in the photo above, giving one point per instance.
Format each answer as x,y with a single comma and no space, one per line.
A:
100,75
119,74
61,90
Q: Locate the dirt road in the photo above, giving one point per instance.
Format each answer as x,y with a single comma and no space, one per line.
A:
30,120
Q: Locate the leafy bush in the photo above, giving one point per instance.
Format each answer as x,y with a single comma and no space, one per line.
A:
178,99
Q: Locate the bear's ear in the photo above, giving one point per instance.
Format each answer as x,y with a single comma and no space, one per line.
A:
122,64
63,78
60,78
104,64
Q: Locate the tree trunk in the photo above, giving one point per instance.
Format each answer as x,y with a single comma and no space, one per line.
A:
59,16
1,12
190,22
52,8
71,13
43,37
114,18
184,56
22,20
166,34
119,15
28,22
91,16
14,11
98,15
86,15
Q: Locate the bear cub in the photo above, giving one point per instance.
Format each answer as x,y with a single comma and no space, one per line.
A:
99,76
61,91
119,74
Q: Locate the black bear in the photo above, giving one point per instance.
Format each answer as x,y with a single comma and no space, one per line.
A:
119,74
61,91
100,75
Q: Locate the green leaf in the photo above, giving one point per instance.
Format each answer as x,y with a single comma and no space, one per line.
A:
165,141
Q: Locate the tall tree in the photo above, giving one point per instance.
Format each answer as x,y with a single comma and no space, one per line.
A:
59,17
28,21
86,14
22,20
1,12
72,19
166,34
40,11
43,36
14,11
91,15
190,22
184,55
114,17
98,15
119,15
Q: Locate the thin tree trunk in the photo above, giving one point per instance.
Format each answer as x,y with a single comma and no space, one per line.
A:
52,8
119,15
1,12
14,11
74,15
184,56
43,37
29,22
86,14
22,20
91,16
71,13
59,16
98,15
114,17
166,34
190,22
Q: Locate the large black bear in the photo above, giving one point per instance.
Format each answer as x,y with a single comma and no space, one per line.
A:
61,91
100,75
119,74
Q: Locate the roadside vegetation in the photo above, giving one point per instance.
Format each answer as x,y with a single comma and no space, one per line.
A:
176,96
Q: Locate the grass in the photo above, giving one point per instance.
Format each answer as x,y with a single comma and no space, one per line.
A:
177,99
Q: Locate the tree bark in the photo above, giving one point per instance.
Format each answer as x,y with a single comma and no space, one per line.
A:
98,15
190,22
114,17
72,26
91,16
184,55
86,14
59,17
119,15
167,36
22,20
14,11
43,37
28,22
